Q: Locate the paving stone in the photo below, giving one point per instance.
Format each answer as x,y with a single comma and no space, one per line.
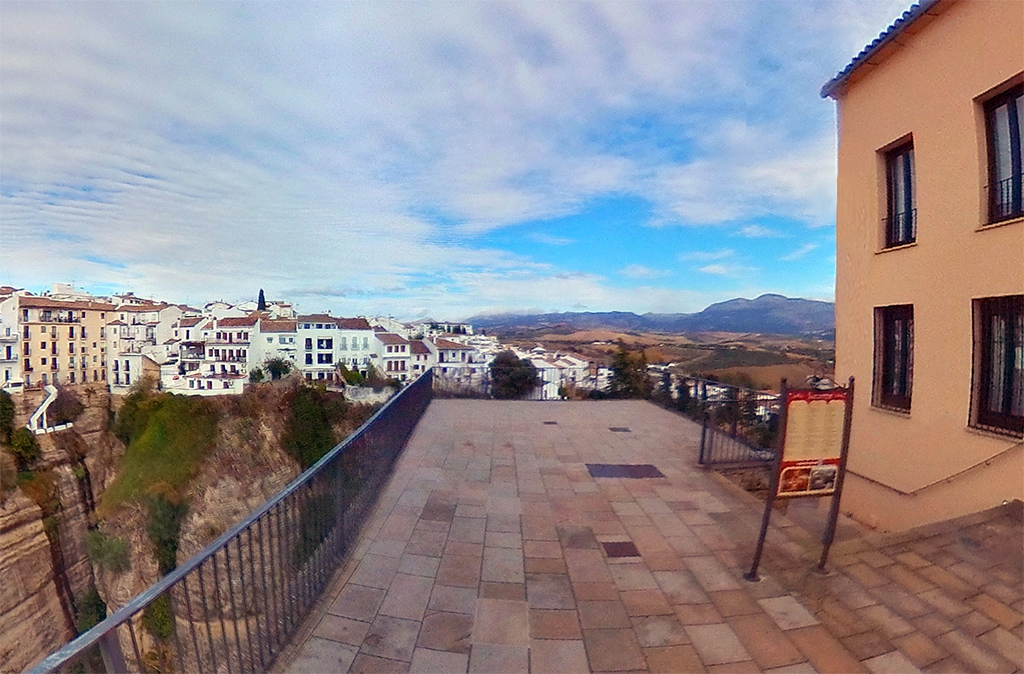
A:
499,659
734,602
558,657
323,655
426,543
801,668
603,614
467,549
387,548
613,650
595,591
367,664
745,667
948,665
932,625
919,649
697,614
673,659
508,591
375,571
549,591
343,630
824,651
425,661
503,521
498,621
407,597
974,623
458,570
680,587
632,576
453,599
419,565
717,644
542,566
866,645
947,581
908,578
443,631
1005,644
659,630
391,638
546,549
503,565
358,602
978,658
996,610
885,621
501,539
711,575
787,612
765,642
467,530
554,624
586,565
893,662
901,601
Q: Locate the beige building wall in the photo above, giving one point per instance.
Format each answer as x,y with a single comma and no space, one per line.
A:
930,464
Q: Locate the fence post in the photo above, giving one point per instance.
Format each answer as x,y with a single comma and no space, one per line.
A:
703,438
110,649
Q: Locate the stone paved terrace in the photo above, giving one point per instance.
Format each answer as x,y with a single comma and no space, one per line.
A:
487,553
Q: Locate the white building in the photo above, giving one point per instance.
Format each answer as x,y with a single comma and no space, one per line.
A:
395,356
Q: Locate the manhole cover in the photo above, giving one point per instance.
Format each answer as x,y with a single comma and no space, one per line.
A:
619,429
629,470
620,549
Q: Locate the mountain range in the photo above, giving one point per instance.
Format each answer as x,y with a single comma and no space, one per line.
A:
769,313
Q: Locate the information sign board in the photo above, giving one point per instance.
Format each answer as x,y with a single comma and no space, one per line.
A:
813,442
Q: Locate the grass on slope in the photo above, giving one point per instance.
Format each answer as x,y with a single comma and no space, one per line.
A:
169,438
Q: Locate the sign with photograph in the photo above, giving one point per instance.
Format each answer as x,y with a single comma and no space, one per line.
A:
813,442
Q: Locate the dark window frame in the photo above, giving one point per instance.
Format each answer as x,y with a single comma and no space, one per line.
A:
900,226
894,357
1011,309
1005,202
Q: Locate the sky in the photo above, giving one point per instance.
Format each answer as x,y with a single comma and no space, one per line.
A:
425,158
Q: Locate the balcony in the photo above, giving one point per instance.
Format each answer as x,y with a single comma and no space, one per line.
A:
489,544
59,319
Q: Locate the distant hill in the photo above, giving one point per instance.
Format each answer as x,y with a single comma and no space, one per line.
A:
770,314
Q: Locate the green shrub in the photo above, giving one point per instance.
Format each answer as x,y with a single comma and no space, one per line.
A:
512,377
278,367
317,517
256,376
165,519
24,447
108,552
165,451
158,619
6,417
66,408
308,435
91,610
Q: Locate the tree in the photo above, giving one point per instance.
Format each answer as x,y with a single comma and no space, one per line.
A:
629,374
261,304
512,377
278,367
256,376
24,447
6,417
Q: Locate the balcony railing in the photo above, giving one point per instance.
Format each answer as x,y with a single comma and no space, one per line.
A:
1006,198
900,228
59,319
236,604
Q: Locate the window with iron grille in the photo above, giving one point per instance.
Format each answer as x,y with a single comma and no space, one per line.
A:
1004,119
999,363
901,214
894,356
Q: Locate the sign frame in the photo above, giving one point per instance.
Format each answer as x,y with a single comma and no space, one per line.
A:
814,466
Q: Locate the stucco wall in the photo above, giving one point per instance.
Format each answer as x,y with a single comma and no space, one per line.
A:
931,87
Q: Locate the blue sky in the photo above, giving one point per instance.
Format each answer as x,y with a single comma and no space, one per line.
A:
414,159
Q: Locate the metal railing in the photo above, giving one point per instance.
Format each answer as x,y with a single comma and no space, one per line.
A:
236,604
738,425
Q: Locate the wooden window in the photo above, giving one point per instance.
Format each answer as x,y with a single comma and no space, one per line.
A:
1004,117
999,363
901,216
894,356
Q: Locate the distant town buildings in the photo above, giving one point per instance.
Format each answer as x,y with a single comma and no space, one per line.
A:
930,263
69,337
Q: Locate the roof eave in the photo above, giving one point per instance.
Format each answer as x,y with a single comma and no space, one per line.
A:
837,84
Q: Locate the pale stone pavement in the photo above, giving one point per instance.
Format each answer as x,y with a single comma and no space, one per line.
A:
486,554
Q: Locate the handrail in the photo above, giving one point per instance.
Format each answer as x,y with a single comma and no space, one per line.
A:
329,542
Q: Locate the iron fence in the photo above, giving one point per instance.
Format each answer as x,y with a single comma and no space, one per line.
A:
235,605
739,426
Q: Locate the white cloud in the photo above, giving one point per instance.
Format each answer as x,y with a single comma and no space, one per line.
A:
729,270
639,271
759,232
800,252
551,240
205,149
706,255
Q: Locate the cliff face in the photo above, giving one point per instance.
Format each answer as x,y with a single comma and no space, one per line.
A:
32,620
44,561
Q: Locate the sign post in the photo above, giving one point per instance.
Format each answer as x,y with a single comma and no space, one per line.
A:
814,439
